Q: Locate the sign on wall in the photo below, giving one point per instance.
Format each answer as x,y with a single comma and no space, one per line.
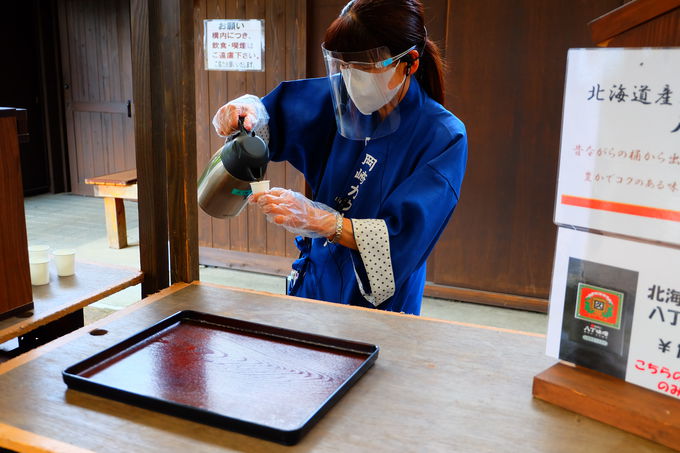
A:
620,150
615,308
234,45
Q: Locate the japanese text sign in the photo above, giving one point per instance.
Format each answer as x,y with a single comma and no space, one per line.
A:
234,45
620,149
615,308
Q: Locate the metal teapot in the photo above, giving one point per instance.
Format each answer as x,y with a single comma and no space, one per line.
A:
224,186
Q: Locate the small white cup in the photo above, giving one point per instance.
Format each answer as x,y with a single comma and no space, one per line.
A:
65,260
40,272
38,252
259,186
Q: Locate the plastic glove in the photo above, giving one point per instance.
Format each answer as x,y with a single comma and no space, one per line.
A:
296,213
247,106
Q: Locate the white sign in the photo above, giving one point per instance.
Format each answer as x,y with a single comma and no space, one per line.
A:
234,45
615,308
620,150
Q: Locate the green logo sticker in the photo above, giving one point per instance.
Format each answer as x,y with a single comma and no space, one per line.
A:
599,305
244,193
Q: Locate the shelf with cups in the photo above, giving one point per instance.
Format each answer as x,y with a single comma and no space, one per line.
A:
63,286
39,263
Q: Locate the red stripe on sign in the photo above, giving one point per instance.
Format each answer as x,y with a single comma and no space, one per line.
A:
623,208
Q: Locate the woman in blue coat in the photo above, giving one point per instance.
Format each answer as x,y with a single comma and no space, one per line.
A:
385,160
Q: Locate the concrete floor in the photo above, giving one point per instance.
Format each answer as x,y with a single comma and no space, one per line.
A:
72,221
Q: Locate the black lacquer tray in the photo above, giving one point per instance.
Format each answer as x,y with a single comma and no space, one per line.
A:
255,379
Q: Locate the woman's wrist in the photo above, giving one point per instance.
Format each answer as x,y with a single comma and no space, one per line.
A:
339,223
346,236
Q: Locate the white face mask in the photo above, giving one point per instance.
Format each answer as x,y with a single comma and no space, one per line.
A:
369,90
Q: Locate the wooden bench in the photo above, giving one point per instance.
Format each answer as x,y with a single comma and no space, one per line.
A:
115,188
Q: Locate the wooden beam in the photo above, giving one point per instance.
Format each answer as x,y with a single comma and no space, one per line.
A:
122,192
628,16
246,261
175,45
151,171
486,297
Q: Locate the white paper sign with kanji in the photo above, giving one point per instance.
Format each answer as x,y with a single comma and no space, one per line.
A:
620,149
234,45
615,308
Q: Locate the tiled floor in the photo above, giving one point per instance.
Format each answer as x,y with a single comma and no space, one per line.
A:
72,221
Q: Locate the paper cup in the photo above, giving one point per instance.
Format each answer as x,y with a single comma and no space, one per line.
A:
259,186
40,272
65,260
38,252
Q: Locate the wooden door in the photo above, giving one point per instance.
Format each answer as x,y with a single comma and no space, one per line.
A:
97,74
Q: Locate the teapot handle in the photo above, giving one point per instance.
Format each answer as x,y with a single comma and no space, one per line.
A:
242,127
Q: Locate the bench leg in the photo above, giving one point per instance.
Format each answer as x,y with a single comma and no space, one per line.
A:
116,229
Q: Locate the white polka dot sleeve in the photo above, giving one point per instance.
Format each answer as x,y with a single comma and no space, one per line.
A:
263,133
373,242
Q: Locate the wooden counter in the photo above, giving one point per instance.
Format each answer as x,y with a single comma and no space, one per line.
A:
436,386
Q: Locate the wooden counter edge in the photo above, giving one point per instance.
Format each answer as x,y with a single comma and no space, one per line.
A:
29,324
30,355
612,401
35,353
373,310
28,442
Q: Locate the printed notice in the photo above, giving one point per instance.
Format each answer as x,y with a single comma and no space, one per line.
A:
615,308
234,45
620,148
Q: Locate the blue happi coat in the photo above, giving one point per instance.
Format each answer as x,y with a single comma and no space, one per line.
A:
411,179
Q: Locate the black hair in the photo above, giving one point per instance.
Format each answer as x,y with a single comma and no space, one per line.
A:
396,24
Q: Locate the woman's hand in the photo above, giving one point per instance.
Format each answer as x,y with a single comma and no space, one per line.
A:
248,107
296,213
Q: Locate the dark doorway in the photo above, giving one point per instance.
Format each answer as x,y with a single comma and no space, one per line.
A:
20,86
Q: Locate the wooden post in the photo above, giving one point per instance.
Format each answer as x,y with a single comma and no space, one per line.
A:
153,202
176,50
163,85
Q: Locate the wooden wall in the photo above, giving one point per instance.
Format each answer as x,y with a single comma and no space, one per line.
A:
285,59
507,63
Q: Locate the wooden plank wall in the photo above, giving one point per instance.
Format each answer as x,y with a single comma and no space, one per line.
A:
285,59
507,63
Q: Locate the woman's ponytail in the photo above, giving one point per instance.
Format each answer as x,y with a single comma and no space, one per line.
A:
430,74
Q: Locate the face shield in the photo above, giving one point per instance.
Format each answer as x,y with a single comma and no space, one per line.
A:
366,88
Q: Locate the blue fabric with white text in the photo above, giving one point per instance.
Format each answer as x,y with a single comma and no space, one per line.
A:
411,179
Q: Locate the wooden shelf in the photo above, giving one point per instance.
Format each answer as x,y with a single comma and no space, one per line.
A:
65,295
